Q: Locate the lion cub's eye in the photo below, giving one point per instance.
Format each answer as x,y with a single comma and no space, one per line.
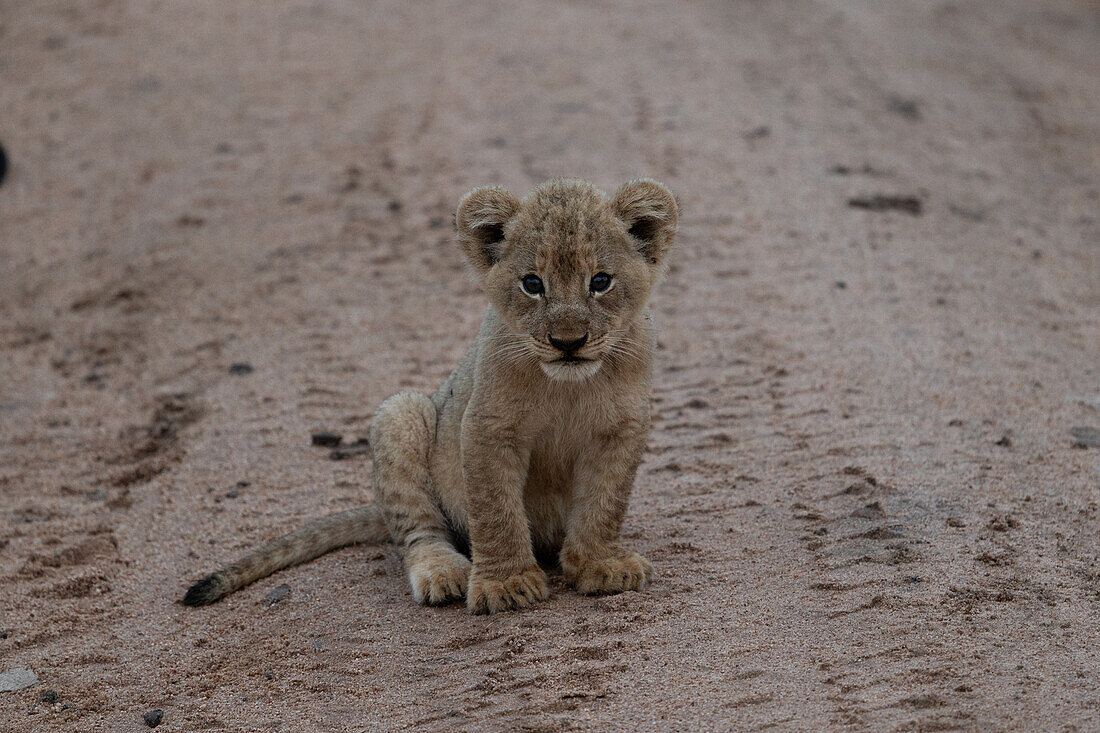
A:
532,284
600,282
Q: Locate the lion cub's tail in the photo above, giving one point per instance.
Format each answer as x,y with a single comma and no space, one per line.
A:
364,524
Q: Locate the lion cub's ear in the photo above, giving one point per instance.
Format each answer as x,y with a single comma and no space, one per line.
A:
481,216
650,213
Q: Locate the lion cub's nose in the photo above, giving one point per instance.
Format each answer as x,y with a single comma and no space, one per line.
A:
568,345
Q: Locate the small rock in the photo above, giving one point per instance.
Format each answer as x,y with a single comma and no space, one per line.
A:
278,595
1085,437
242,484
757,132
190,220
358,448
153,717
49,697
17,679
908,204
3,163
232,494
240,368
327,440
1004,442
907,108
268,674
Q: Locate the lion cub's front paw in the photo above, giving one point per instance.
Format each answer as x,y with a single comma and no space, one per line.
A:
487,595
439,577
609,575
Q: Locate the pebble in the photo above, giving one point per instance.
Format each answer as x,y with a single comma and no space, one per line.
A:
1085,437
358,448
326,440
153,717
49,697
240,368
880,202
17,679
278,595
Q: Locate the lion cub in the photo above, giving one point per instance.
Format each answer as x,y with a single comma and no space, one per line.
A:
530,447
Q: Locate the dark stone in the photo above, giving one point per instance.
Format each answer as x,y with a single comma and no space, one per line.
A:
359,448
326,440
153,717
878,202
240,368
3,164
1085,437
907,108
278,595
49,697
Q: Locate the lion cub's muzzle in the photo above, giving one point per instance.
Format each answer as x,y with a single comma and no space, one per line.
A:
570,362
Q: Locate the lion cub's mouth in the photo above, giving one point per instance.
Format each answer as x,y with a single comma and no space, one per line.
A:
570,368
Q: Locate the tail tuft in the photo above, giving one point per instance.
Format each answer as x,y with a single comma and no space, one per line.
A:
206,591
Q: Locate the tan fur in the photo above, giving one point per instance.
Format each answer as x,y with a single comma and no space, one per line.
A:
518,455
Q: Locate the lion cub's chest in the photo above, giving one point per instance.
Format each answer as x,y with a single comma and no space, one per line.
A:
565,428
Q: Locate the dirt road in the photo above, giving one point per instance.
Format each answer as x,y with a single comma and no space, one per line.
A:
864,496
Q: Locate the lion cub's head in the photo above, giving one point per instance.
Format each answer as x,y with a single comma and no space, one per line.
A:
567,268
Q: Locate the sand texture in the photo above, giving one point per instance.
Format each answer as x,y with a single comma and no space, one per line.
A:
872,491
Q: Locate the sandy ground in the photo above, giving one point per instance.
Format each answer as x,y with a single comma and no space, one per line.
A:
862,495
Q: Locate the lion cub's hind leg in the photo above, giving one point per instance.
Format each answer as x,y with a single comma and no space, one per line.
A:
401,438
